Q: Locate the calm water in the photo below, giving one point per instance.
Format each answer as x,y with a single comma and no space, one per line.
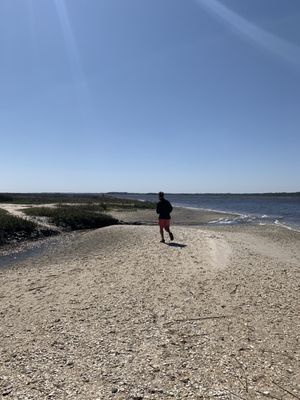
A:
261,209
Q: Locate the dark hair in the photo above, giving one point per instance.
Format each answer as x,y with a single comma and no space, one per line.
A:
161,194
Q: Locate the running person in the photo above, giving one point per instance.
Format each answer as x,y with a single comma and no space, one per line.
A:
164,209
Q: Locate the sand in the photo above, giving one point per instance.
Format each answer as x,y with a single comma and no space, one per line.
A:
114,314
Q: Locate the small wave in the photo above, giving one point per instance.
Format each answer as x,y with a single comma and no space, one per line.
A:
231,221
222,221
283,225
236,218
207,209
241,219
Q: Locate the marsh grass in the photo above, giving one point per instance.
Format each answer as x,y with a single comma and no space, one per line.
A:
11,225
80,198
112,205
74,217
131,205
73,211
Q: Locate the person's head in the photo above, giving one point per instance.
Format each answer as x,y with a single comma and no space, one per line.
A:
161,195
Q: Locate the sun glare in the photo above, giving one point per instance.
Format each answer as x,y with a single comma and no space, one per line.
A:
252,32
80,81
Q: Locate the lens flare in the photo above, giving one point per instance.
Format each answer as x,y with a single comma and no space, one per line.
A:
258,36
79,78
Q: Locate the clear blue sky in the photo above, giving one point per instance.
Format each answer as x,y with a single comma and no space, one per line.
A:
148,95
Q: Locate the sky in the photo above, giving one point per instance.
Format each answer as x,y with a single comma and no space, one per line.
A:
148,95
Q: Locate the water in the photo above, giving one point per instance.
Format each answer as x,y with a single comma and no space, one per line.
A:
19,252
251,209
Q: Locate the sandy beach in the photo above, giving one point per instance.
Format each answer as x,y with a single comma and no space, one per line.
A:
114,314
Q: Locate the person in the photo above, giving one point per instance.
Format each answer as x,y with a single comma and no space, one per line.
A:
164,209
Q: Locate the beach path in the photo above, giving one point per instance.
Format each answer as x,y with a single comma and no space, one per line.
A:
116,314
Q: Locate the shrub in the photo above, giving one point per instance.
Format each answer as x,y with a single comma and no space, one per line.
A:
74,217
5,198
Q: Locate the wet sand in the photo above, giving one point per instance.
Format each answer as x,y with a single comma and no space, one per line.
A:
115,314
180,216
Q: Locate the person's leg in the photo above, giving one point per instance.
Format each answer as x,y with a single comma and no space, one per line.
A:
170,233
161,230
167,228
162,235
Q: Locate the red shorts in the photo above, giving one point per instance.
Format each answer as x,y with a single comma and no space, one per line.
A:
164,223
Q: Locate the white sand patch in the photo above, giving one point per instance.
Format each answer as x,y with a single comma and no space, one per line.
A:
15,209
18,211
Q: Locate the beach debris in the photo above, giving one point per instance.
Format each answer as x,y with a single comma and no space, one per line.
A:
197,319
295,395
7,390
70,363
234,290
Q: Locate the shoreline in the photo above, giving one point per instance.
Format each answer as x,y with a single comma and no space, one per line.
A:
14,252
182,216
192,216
233,214
258,207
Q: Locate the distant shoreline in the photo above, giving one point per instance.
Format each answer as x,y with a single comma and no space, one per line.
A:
209,194
261,209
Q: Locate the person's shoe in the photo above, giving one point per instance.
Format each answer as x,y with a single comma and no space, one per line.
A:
171,236
162,241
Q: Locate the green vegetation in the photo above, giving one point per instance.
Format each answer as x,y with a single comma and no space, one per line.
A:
11,225
74,217
5,198
72,211
82,198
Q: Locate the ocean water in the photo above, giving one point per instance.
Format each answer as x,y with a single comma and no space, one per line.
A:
250,208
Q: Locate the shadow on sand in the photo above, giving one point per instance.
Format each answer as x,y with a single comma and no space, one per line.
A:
174,244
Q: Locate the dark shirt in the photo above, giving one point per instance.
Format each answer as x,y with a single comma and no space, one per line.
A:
164,209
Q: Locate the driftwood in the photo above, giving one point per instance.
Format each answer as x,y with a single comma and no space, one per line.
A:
197,319
286,390
36,288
